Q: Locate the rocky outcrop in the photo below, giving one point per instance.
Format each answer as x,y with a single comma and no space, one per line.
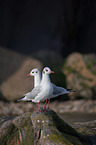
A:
14,67
45,128
80,71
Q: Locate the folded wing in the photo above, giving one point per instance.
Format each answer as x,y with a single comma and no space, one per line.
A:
31,95
59,91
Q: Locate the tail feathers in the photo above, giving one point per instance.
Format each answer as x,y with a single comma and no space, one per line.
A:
70,90
22,99
26,94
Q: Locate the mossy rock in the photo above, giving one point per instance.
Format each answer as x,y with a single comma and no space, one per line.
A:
80,71
45,127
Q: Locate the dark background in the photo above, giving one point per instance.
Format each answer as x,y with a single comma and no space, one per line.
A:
61,25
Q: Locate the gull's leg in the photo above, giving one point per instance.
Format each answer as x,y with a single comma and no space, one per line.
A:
45,103
44,106
48,102
39,107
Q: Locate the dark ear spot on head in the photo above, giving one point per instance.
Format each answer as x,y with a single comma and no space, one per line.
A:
36,71
43,72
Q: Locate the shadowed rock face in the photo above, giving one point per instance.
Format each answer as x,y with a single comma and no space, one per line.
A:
42,128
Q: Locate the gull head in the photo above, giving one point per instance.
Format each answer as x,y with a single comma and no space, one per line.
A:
34,72
47,70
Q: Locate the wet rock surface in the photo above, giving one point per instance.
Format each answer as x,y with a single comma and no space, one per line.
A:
45,127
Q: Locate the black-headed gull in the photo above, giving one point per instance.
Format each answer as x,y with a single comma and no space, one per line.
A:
42,91
37,76
45,89
37,79
56,90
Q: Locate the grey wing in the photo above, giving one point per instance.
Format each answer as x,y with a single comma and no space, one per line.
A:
31,95
26,93
58,91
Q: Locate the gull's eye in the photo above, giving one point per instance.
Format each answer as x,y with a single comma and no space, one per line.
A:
46,70
36,72
32,72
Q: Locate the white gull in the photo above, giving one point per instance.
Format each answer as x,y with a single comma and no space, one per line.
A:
42,91
37,79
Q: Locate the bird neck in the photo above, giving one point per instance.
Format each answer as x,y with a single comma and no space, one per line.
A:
37,80
45,78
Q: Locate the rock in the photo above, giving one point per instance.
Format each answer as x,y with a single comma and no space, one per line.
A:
16,108
80,71
25,127
81,106
45,128
13,80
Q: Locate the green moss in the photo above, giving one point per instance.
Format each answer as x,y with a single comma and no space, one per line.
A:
27,133
88,66
84,86
90,79
51,122
94,72
79,76
41,119
68,69
58,139
43,128
90,62
25,126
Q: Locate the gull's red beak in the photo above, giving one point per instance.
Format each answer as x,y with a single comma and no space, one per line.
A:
52,72
28,75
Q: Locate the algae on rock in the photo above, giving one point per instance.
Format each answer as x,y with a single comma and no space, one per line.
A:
45,127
